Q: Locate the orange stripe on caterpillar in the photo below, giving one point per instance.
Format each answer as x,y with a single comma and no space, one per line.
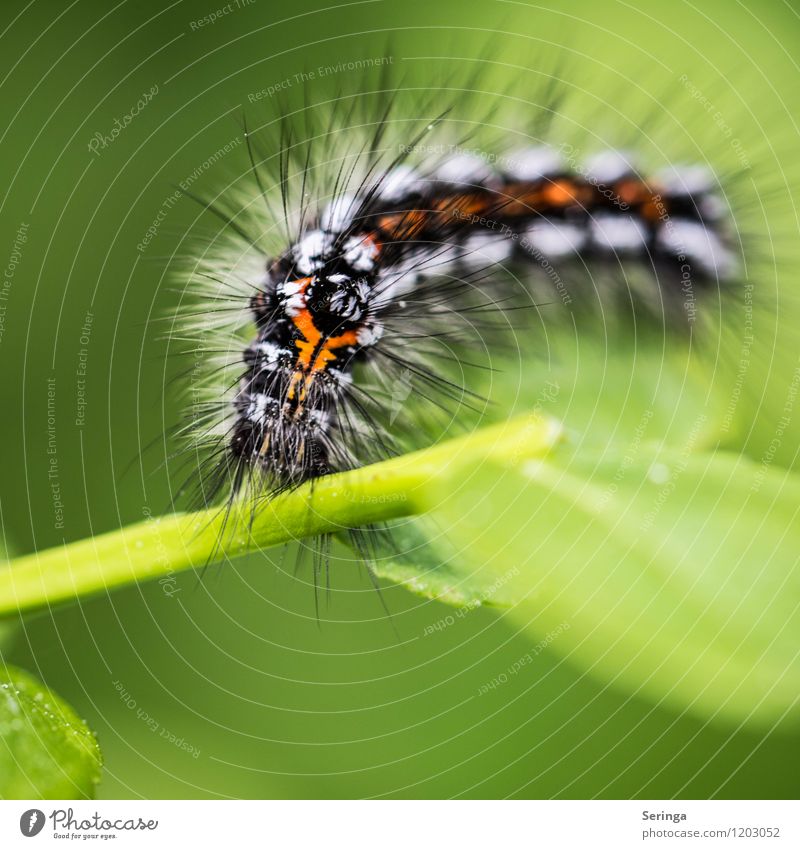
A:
315,351
521,199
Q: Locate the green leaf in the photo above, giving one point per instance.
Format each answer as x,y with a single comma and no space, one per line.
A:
423,561
665,573
46,750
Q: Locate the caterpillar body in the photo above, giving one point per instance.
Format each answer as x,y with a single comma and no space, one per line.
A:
403,260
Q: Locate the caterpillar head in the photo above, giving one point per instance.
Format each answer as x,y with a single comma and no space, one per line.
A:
316,313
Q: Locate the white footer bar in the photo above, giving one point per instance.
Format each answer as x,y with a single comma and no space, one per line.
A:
404,824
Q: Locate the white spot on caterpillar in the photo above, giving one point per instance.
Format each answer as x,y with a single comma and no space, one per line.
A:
338,214
464,169
292,292
309,253
684,181
268,355
701,246
713,208
257,410
399,183
290,287
369,334
608,166
482,249
552,239
441,260
360,253
618,232
696,182
532,163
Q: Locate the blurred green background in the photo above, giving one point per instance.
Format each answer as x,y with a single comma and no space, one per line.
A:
227,686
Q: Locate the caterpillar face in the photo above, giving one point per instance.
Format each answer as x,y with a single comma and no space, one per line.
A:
313,327
339,303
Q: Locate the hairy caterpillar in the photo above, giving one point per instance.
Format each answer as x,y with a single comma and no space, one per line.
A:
368,278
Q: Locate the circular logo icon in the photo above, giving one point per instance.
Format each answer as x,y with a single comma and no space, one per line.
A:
31,822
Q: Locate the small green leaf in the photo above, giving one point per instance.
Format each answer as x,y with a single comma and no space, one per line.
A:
669,574
46,750
426,564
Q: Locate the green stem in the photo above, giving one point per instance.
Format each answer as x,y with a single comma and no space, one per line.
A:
162,546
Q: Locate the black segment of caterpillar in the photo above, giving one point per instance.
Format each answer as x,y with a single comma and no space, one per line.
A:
412,249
